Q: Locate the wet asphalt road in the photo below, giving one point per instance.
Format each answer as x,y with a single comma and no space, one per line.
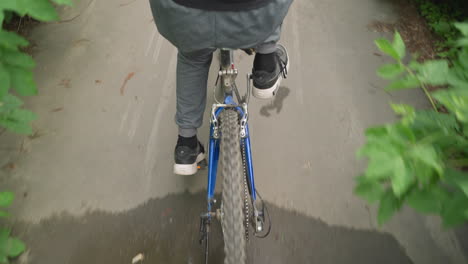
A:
166,231
95,183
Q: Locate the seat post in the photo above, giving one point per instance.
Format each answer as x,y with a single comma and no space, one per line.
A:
226,58
227,72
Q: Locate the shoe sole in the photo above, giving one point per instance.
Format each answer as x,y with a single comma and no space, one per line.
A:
270,92
188,169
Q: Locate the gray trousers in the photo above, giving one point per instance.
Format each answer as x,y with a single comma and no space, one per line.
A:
192,78
198,33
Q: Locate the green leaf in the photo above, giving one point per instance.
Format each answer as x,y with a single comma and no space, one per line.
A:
10,102
456,79
10,5
377,138
403,109
63,2
463,59
434,72
369,190
389,204
9,246
386,142
456,101
453,211
428,200
4,236
40,9
399,45
20,59
386,47
424,174
401,133
463,42
463,27
401,178
390,71
4,81
380,166
4,214
22,81
11,41
15,247
22,115
18,121
383,165
430,121
6,198
442,27
407,82
378,131
458,178
16,127
414,65
427,155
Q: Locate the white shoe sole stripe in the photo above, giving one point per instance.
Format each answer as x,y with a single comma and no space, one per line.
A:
188,169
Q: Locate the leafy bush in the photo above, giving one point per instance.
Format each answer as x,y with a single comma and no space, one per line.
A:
16,77
419,160
10,247
16,66
439,16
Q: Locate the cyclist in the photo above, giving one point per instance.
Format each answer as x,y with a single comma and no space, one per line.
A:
197,28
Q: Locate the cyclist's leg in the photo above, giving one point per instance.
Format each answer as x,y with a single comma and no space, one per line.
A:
269,45
270,66
192,77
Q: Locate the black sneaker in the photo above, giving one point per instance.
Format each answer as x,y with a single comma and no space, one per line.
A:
187,159
267,81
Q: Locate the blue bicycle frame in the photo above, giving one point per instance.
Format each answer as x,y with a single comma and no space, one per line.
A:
227,75
214,154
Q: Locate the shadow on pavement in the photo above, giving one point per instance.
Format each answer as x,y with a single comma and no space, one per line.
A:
277,103
166,231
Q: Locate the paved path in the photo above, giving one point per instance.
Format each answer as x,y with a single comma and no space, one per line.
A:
95,182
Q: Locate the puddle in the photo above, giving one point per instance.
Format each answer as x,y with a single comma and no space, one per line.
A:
166,231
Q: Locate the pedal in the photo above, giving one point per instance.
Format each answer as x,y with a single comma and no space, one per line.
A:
202,164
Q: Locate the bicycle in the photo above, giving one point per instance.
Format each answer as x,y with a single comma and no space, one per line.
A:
230,140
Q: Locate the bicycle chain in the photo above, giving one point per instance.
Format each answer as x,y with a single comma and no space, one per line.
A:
246,195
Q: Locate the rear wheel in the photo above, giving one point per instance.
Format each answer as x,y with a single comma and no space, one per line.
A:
233,189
